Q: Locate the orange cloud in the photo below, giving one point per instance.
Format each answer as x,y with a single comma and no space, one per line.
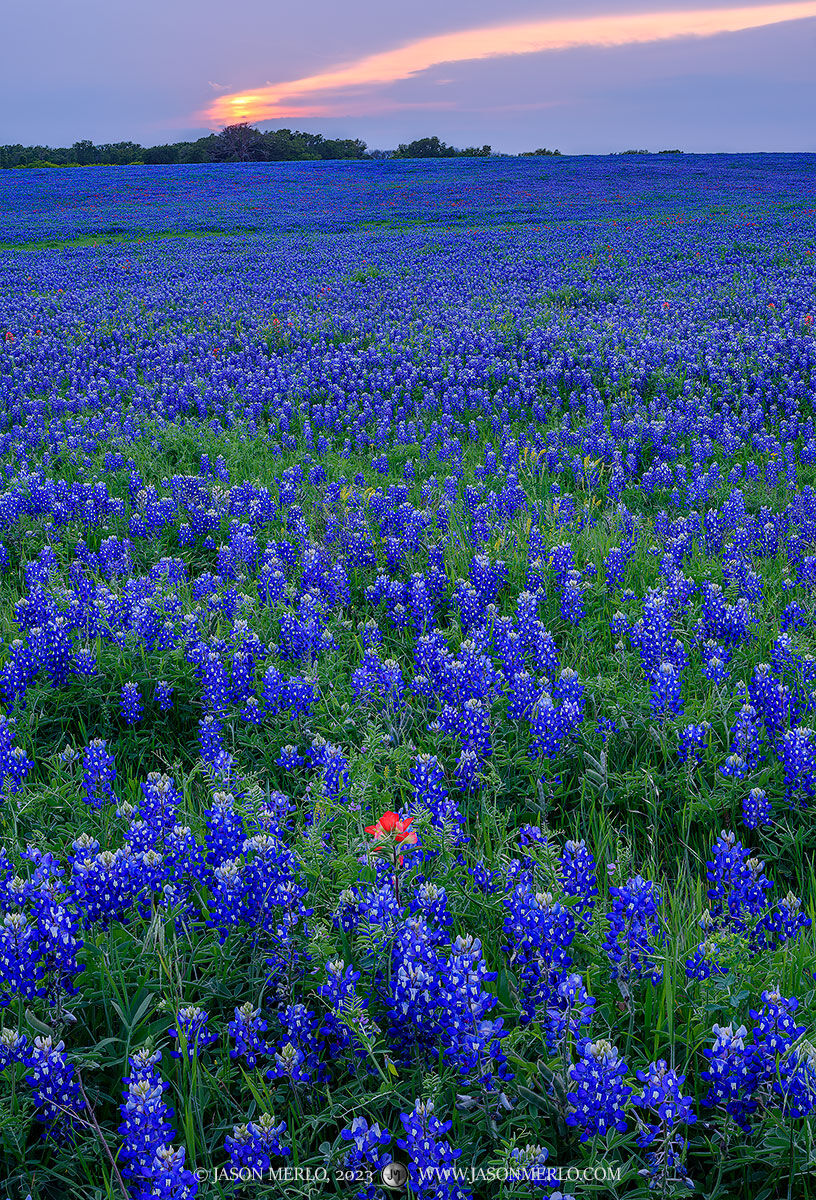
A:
279,100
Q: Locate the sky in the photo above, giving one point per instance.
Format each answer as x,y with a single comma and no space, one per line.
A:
583,76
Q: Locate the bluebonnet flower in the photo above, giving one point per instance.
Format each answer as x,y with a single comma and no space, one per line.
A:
528,1164
797,1085
346,1018
297,1055
539,933
471,724
13,1047
299,696
432,902
377,679
290,758
262,891
216,688
14,762
573,603
715,669
246,1031
756,809
548,727
225,833
749,742
578,877
292,1063
693,741
606,727
431,1158
571,1007
39,947
797,753
664,1109
472,1040
170,1178
487,880
666,686
793,617
211,738
730,1074
524,693
157,809
562,561
738,883
780,922
254,1145
145,1128
734,767
532,835
52,1080
771,700
367,1153
163,694
428,782
191,1032
598,1101
103,885
706,959
614,568
85,663
99,773
634,931
775,1032
370,633
130,704
488,578
467,769
332,766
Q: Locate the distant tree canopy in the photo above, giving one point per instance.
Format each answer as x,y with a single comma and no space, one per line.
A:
81,153
244,143
431,147
235,143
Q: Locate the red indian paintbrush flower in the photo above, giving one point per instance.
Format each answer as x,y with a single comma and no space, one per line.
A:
390,825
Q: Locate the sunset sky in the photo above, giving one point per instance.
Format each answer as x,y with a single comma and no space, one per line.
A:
588,76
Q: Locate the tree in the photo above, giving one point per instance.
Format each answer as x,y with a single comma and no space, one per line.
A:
343,148
200,151
238,143
84,152
12,156
159,155
282,145
119,153
429,147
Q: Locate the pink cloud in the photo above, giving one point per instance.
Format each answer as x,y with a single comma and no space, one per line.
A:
290,98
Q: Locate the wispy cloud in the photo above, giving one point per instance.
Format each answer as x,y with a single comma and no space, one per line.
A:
292,98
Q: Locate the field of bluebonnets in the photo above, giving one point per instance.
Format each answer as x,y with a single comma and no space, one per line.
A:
408,606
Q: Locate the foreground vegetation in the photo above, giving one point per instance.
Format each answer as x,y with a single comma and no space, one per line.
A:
408,673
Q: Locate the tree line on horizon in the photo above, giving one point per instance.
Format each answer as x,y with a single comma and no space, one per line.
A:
236,143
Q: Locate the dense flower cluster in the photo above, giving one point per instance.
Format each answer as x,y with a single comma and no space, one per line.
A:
393,619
